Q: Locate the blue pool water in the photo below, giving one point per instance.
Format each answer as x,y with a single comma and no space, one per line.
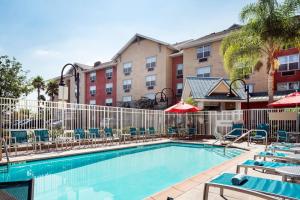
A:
132,173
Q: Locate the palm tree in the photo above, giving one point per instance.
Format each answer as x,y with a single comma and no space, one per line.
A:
52,89
268,27
39,84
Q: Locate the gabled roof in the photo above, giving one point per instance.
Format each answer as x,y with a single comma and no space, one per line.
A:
135,37
102,66
210,38
202,88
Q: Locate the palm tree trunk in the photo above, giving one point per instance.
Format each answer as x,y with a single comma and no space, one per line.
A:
271,85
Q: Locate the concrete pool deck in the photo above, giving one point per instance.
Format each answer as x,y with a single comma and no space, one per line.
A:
189,189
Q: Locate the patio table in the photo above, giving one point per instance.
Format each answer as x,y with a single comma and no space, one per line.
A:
290,171
182,131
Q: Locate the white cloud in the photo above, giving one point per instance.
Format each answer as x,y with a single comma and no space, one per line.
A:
45,53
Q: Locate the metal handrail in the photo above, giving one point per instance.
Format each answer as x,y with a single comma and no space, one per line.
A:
247,134
5,149
242,129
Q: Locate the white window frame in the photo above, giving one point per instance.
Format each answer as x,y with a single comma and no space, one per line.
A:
179,88
108,102
93,76
127,68
150,81
127,84
92,102
93,90
177,69
151,62
125,98
109,73
108,87
204,50
288,62
203,75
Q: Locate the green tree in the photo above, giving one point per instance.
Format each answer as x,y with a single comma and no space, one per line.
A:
38,84
269,26
52,89
13,80
191,101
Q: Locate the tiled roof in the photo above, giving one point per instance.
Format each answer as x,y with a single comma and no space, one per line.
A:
201,87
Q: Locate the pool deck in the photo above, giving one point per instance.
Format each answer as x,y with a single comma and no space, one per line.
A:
189,189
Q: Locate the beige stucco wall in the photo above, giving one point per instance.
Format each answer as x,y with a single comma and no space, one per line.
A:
137,53
215,60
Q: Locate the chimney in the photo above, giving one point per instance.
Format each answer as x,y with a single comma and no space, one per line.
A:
96,64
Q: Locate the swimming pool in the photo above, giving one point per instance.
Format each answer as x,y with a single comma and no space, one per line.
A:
132,173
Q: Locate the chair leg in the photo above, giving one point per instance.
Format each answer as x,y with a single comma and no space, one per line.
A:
222,192
206,191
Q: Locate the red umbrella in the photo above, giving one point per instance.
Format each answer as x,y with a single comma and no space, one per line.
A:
182,107
290,100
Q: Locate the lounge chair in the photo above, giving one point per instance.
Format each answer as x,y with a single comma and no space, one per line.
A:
19,138
109,135
42,138
237,131
94,134
21,190
282,136
171,131
278,156
290,149
133,133
142,133
263,165
261,134
191,132
79,136
152,132
258,187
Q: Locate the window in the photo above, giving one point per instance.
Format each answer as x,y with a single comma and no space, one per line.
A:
92,102
250,87
150,81
127,67
288,86
126,85
179,70
203,72
290,62
93,76
126,98
179,87
108,102
203,51
150,96
108,73
108,88
93,90
150,63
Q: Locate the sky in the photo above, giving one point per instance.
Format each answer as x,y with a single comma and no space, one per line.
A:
45,35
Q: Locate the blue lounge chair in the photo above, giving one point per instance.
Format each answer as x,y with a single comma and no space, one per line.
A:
94,135
79,135
282,136
171,131
261,134
236,131
278,156
142,133
263,165
151,132
109,135
19,138
133,133
258,187
191,132
42,138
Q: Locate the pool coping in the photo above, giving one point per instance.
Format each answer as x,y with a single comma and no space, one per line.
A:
182,187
